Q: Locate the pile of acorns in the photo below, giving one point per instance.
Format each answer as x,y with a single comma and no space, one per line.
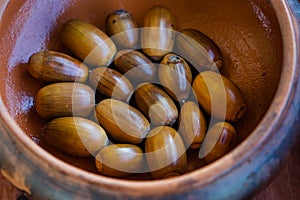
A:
153,103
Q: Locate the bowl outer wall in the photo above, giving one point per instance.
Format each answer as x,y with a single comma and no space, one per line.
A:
248,168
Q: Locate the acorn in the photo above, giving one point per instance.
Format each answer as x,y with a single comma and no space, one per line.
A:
155,104
157,34
123,122
165,153
124,29
136,66
75,136
219,96
111,83
176,77
52,66
199,49
120,160
88,43
192,125
219,140
65,99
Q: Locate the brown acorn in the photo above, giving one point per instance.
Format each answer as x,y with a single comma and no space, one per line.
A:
88,43
65,99
155,104
157,34
165,153
192,125
136,66
124,29
119,160
198,49
219,140
75,136
122,122
219,96
111,83
176,76
52,66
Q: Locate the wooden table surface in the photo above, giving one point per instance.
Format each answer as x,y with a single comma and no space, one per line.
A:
286,185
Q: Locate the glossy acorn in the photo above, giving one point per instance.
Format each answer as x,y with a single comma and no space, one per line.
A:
75,136
88,43
155,104
65,99
120,160
122,122
136,66
52,66
176,77
219,140
165,153
123,28
219,96
157,34
192,125
199,49
111,83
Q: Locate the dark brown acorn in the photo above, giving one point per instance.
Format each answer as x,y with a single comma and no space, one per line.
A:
52,66
155,104
219,96
65,99
75,136
88,43
111,83
123,29
165,153
192,125
176,76
157,34
136,66
121,121
219,140
119,160
198,49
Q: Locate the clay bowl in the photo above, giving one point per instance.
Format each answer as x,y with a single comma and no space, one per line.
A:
261,55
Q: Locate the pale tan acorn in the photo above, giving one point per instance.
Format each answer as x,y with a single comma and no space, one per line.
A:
52,66
122,122
88,43
75,136
123,28
157,34
65,99
175,76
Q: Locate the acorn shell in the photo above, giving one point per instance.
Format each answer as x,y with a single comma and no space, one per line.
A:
176,76
198,49
155,104
111,83
119,160
121,121
123,29
219,140
52,66
88,43
75,136
165,153
219,96
136,66
192,125
157,34
65,99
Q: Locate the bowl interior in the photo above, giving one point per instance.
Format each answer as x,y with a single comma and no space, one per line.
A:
247,33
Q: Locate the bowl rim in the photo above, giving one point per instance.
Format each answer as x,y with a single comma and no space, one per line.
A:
246,149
